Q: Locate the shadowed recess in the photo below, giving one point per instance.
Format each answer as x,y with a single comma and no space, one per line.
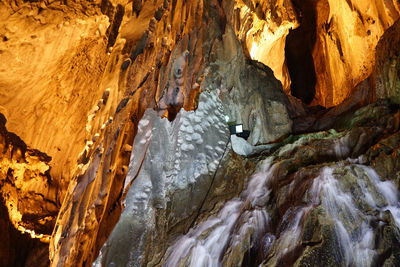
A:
299,45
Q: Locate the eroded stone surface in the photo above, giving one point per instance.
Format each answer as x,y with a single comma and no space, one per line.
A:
178,164
317,200
387,70
28,191
77,76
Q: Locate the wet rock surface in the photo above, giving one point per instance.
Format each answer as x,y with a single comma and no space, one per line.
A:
116,118
321,201
165,198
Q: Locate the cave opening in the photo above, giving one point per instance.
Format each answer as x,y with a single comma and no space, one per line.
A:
298,52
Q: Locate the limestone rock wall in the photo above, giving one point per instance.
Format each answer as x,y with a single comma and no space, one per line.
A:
129,85
76,78
28,202
346,37
51,62
173,169
27,188
386,74
329,46
164,65
262,27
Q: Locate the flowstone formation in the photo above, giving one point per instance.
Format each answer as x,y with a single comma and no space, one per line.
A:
115,148
177,162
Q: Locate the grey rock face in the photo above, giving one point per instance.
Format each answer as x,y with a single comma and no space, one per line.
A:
267,120
173,164
170,172
250,93
339,213
242,147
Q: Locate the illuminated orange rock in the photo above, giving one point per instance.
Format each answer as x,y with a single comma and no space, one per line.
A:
344,52
50,69
337,38
77,76
262,27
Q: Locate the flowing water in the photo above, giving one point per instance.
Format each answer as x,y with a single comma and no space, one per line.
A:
352,196
206,244
354,211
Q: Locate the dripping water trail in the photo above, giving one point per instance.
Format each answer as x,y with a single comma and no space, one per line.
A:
209,188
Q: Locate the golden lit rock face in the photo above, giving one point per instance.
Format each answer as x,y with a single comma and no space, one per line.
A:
29,194
51,63
345,35
262,27
386,75
344,53
149,37
76,77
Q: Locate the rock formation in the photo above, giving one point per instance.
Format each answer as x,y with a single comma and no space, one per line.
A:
329,46
115,145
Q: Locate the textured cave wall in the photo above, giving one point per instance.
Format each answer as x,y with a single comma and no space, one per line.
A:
141,66
386,75
76,78
381,84
27,189
164,65
340,38
334,39
51,62
53,57
151,72
344,52
28,201
92,206
164,200
262,27
17,249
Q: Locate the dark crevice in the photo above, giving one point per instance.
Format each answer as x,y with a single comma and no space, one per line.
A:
107,8
114,30
139,48
298,52
137,6
17,249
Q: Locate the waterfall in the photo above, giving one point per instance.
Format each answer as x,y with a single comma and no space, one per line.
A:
352,220
351,196
206,244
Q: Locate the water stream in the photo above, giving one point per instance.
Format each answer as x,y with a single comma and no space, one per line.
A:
206,244
351,196
354,205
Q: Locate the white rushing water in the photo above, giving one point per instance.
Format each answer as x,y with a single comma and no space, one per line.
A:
244,220
352,222
205,245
